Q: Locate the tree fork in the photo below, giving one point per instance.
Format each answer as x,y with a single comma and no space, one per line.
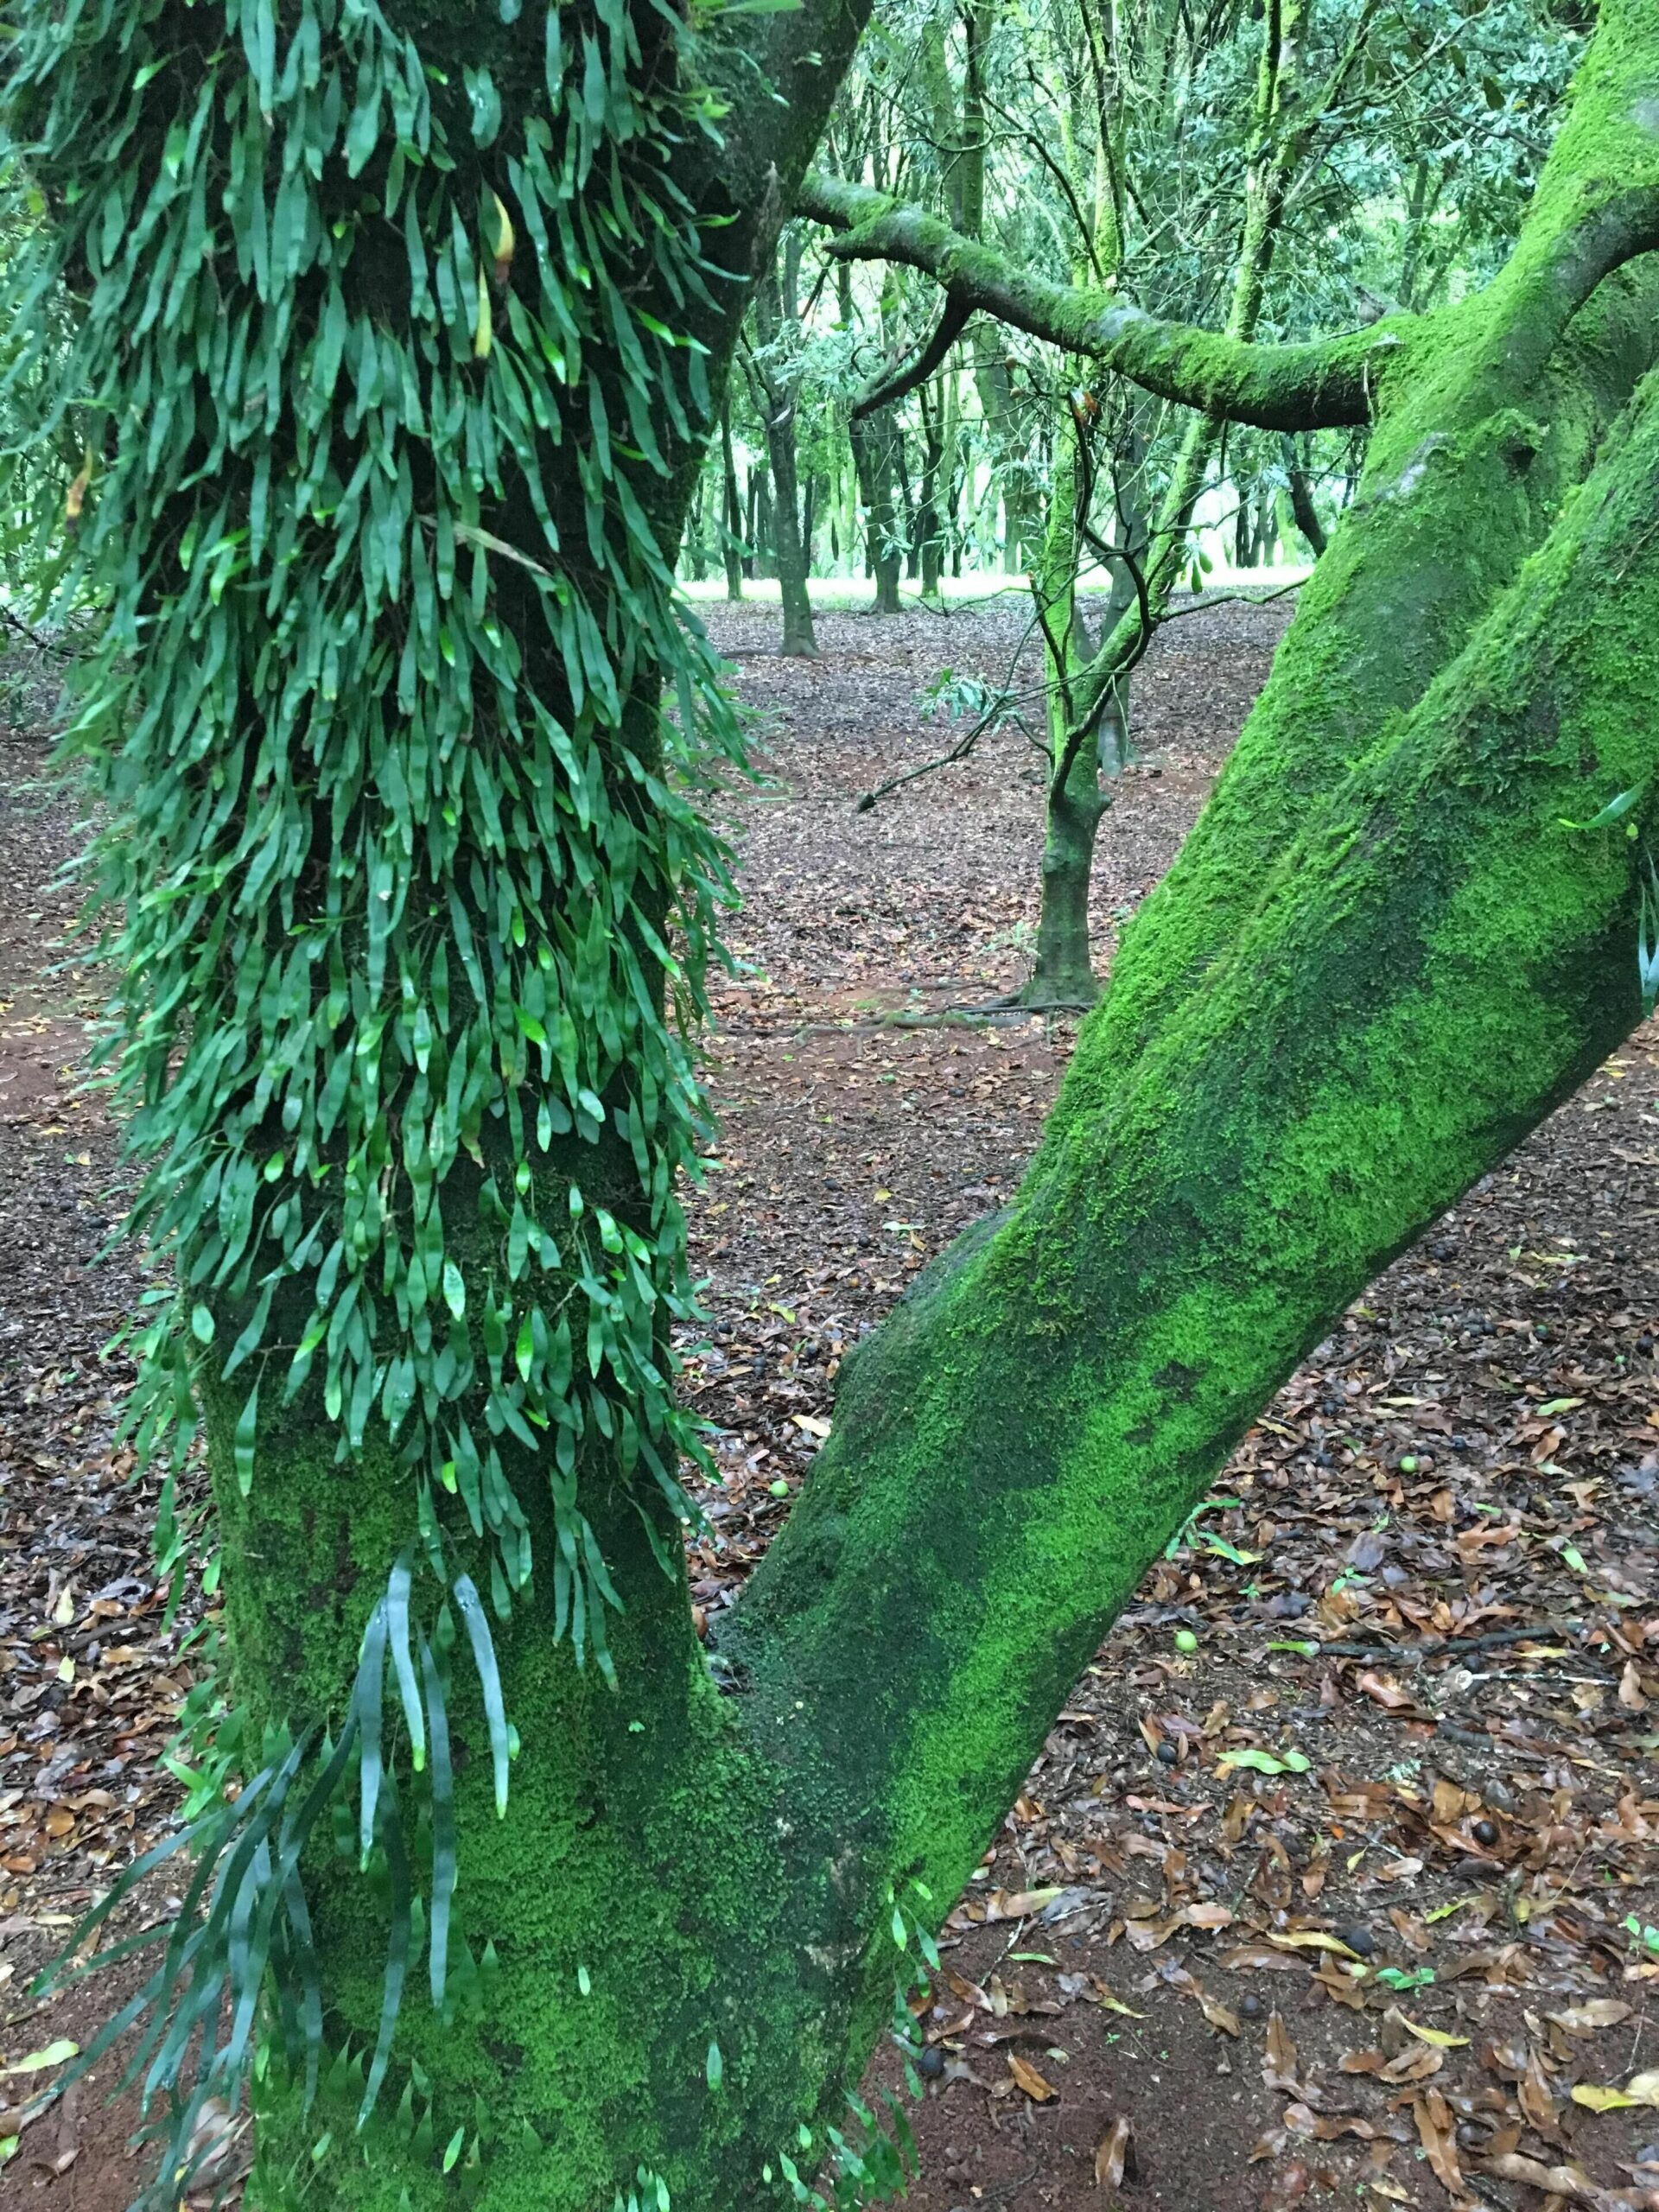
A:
1432,964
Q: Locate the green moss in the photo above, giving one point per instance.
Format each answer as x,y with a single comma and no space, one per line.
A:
1493,410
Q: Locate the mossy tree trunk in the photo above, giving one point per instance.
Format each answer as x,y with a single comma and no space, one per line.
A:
1380,961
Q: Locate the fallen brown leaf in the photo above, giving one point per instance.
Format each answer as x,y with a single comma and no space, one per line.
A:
1279,2057
1027,2078
1554,2181
1436,2134
1383,1690
1584,2019
1112,2153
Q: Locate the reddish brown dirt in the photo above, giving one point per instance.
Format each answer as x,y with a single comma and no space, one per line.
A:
1474,1454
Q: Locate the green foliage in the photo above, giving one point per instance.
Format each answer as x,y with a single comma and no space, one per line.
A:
394,850
381,346
244,1912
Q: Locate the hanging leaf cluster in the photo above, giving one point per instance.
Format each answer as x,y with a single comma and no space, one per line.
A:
399,868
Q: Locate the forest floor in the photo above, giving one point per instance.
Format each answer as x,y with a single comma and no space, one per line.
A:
1338,1877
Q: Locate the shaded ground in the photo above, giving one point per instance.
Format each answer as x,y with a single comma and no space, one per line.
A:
1319,1887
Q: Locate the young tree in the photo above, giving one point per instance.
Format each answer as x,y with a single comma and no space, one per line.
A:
1194,166
406,328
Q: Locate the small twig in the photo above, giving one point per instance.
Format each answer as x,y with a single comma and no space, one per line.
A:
1436,1648
1203,602
1483,1739
41,645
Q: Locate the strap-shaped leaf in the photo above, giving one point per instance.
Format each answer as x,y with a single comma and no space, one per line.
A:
303,1951
403,1659
367,1695
392,1995
443,1826
489,1682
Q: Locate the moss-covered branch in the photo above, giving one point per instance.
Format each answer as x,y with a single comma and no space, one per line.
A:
1472,454
1596,209
1279,387
953,320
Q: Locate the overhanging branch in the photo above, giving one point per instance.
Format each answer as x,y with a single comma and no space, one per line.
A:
885,390
1324,384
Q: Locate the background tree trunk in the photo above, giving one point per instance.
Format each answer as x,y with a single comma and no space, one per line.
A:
873,456
731,542
775,397
1301,497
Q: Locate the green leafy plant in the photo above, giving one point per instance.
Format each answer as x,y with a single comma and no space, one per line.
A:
400,872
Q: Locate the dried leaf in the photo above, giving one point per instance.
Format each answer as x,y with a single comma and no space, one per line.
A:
1218,2015
1385,1691
1584,2019
1027,2078
1415,2064
1112,2152
1279,2056
1435,2132
1259,1957
1312,1939
1204,1916
1018,1904
1362,2062
1537,2099
1339,1985
1554,2181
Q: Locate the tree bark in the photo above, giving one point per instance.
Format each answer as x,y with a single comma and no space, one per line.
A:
1062,974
